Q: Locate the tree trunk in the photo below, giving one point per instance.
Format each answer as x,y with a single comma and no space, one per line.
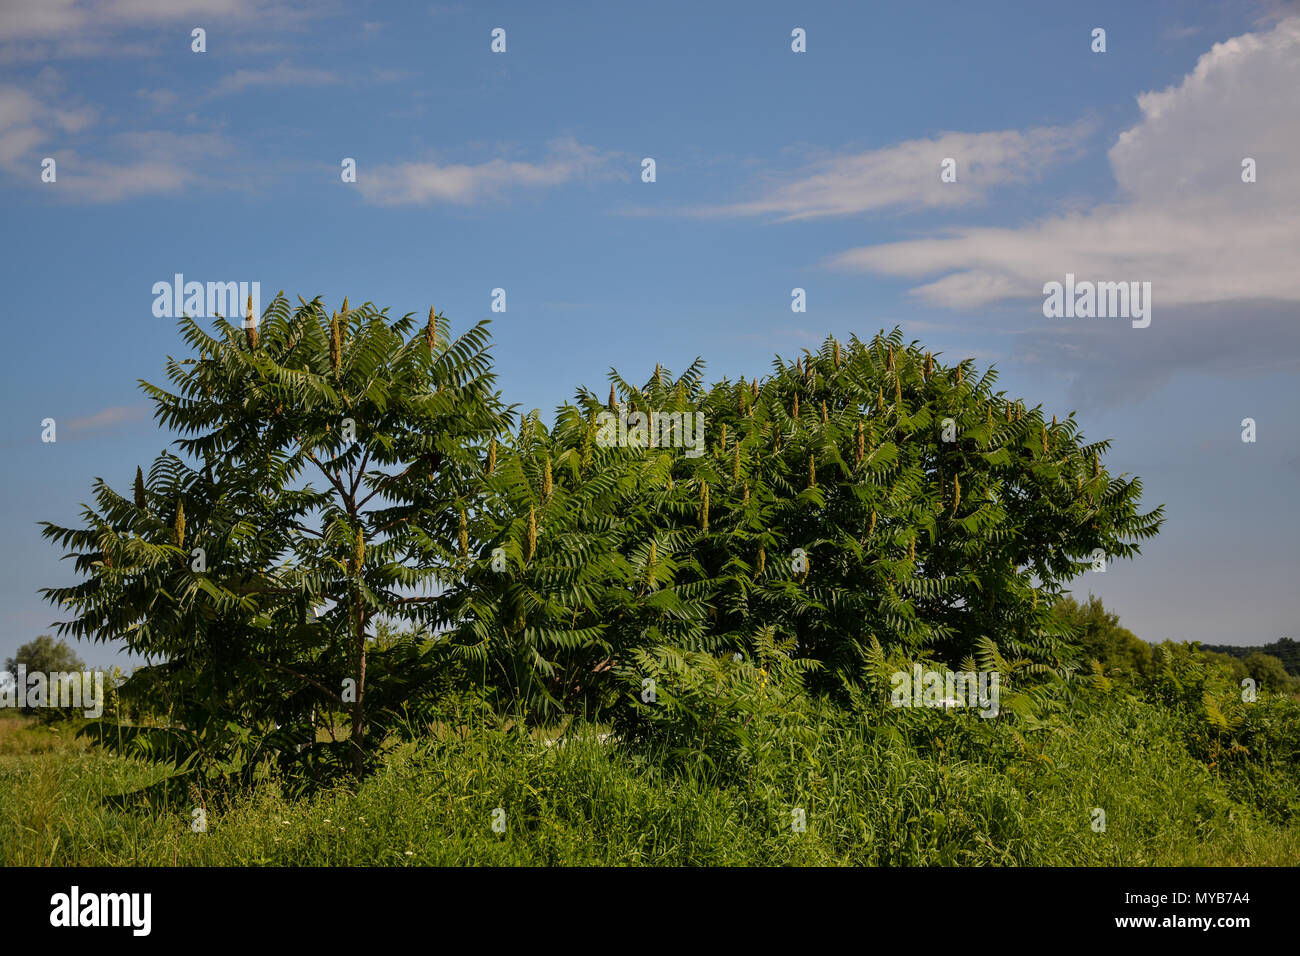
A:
358,712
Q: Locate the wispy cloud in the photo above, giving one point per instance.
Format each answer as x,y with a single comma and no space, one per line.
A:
40,30
421,183
115,415
161,99
26,122
907,175
148,163
283,74
1186,221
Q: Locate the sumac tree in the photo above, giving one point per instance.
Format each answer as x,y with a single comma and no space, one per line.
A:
325,462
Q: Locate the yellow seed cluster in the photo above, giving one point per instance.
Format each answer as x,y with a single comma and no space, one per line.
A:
250,327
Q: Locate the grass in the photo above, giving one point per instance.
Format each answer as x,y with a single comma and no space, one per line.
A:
939,792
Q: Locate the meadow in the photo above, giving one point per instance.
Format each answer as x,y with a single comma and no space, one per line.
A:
920,788
389,668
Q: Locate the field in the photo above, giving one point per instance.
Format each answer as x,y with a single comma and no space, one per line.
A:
934,790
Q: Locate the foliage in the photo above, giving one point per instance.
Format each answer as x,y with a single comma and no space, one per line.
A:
1099,636
1269,672
722,712
862,494
1253,743
872,795
47,656
1286,650
828,505
254,589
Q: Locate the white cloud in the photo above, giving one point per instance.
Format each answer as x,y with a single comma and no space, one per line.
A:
47,18
116,415
39,30
153,162
160,98
74,121
1185,220
148,162
422,183
20,131
907,174
282,75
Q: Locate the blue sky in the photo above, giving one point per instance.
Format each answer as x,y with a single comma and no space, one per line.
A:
775,169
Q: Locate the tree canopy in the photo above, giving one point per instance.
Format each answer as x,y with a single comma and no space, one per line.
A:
338,470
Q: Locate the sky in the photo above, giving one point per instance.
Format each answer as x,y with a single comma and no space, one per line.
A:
774,169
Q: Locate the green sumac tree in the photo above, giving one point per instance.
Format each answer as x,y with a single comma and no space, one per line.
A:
865,491
326,463
340,471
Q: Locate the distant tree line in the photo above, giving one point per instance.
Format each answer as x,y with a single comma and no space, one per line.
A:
1286,651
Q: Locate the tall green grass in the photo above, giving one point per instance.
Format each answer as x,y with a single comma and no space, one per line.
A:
943,790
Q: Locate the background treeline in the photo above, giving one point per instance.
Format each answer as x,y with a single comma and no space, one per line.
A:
1285,651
